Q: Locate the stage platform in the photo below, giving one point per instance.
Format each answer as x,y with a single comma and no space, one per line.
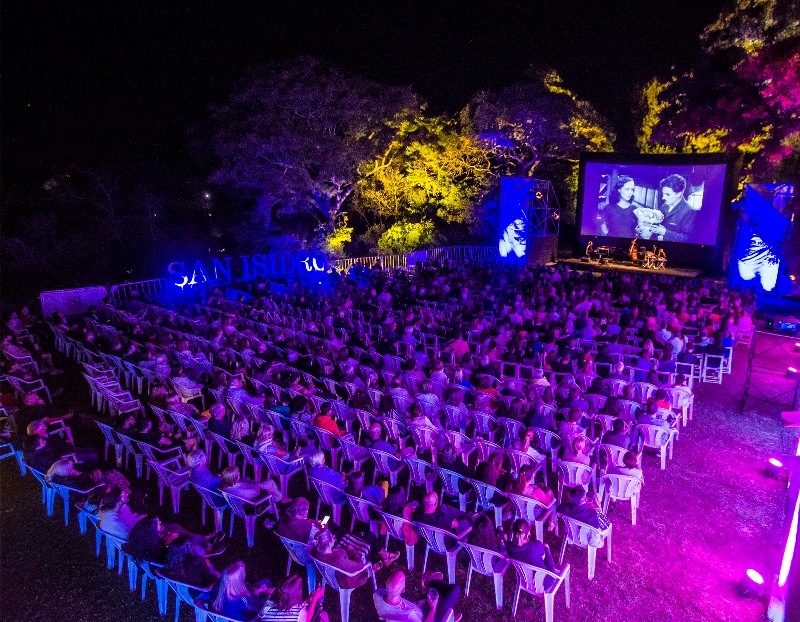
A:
626,266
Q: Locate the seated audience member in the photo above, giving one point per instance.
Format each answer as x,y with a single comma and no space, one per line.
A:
233,483
218,424
630,466
187,562
577,506
440,599
325,420
38,454
294,522
232,597
578,451
116,516
63,472
441,516
151,435
356,486
240,431
199,473
485,535
522,548
619,373
650,416
286,603
618,436
147,540
266,444
319,470
351,556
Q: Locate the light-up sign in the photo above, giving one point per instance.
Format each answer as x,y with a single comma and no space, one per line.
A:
245,268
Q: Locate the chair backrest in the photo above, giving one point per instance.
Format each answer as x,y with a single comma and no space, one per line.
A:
512,429
486,448
547,439
450,480
532,578
574,473
437,538
613,453
214,498
329,572
353,452
418,469
297,550
384,460
629,407
653,436
483,560
579,533
326,491
527,508
424,438
360,508
394,524
620,486
485,493
108,432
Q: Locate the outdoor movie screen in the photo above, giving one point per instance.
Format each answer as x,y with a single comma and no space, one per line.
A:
664,202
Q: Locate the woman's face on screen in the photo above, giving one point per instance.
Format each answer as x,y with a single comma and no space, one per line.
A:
626,192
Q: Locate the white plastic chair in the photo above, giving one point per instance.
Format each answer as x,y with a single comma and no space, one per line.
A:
484,494
183,593
712,368
489,564
582,535
533,511
298,553
571,474
217,502
531,579
658,438
329,573
354,453
437,539
360,510
327,493
450,486
420,473
620,488
284,469
394,529
250,511
387,465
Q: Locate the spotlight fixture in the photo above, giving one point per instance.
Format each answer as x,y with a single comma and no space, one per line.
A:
751,584
797,346
791,372
776,470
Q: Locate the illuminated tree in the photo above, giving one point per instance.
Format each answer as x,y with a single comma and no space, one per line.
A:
539,128
293,136
743,97
433,173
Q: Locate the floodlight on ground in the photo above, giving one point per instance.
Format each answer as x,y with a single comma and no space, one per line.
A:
791,372
751,584
776,469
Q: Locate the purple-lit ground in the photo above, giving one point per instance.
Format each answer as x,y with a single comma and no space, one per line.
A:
704,520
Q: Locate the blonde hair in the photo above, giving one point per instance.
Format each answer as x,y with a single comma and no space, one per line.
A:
60,468
240,428
231,584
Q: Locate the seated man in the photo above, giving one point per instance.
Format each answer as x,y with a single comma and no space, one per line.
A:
294,522
218,424
441,516
351,555
392,607
199,473
578,507
325,421
318,470
617,436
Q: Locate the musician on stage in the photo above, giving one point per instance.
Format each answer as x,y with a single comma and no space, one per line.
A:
661,259
633,251
590,252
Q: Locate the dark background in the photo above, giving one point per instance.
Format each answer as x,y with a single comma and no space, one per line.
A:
120,84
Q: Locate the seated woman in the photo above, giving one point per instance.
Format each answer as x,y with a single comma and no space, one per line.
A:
630,466
578,451
149,538
524,486
232,597
240,431
64,472
522,548
233,483
266,443
116,517
286,603
485,535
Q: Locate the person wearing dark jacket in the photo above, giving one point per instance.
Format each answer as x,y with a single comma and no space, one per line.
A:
521,548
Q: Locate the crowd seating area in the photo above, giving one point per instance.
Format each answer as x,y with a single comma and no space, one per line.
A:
484,408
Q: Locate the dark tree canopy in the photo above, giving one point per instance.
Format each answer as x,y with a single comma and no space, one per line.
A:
293,135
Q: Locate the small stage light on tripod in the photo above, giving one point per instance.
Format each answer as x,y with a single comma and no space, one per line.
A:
791,372
751,584
776,470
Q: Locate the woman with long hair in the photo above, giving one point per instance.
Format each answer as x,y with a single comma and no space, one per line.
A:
286,604
231,596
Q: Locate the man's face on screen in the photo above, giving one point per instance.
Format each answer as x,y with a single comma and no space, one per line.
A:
669,196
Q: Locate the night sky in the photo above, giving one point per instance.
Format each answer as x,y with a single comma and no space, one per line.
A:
120,83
